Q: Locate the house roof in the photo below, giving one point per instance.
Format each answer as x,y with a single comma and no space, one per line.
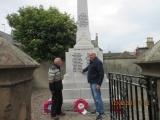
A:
8,37
142,47
132,53
113,54
120,54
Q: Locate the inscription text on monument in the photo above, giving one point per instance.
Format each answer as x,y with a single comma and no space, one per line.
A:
79,61
83,20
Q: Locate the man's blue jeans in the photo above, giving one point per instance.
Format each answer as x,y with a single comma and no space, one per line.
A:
96,94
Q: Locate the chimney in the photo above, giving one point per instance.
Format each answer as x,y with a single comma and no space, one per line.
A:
96,36
96,40
150,42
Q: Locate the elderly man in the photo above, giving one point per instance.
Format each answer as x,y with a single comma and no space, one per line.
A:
95,78
55,86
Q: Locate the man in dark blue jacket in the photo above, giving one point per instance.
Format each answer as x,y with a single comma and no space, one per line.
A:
55,86
95,78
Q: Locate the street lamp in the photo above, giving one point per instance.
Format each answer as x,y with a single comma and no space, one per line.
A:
4,27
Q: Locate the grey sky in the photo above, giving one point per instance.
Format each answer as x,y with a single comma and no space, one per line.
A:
122,25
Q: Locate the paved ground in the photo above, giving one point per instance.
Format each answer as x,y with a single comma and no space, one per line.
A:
39,96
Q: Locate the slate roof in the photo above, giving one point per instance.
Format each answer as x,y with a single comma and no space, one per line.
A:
120,54
113,54
8,37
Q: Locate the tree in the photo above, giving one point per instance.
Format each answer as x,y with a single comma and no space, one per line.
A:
43,34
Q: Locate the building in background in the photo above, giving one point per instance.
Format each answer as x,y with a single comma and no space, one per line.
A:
124,54
149,43
8,37
95,42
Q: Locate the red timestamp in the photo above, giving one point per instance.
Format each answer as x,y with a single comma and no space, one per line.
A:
120,102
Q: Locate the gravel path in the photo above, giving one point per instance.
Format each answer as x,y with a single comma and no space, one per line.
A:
39,96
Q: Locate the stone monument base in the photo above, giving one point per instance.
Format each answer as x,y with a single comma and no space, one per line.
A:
75,91
75,84
82,90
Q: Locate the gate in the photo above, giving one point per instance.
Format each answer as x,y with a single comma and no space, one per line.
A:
132,97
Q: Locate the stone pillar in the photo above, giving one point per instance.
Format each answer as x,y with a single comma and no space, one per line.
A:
16,73
149,61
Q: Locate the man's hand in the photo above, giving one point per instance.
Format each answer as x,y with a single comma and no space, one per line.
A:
98,87
81,71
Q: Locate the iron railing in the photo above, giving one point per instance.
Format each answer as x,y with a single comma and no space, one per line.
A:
133,97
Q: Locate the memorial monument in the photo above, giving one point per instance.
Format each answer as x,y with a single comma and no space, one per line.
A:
77,58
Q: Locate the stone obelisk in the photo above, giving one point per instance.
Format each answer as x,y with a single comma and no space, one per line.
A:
77,58
83,38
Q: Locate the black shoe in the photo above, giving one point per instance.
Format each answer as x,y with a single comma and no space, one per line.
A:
100,116
62,114
94,112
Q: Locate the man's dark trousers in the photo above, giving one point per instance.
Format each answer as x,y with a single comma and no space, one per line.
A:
57,100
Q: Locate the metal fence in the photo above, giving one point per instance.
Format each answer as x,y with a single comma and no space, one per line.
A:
133,97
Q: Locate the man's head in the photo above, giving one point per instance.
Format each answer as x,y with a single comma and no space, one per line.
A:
58,61
92,55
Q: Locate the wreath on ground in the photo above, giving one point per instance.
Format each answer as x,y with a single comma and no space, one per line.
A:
80,105
47,107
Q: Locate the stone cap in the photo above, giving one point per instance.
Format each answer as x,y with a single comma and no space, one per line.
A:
12,57
149,61
152,55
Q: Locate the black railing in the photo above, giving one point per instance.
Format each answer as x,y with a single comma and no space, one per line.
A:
133,97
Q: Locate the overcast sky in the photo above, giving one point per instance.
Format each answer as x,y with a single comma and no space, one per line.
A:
122,25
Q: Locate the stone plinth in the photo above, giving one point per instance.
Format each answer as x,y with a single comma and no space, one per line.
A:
16,69
150,64
74,82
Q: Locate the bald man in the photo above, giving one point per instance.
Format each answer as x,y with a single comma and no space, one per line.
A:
55,86
95,78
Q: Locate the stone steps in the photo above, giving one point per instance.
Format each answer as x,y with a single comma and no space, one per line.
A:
82,85
84,93
82,90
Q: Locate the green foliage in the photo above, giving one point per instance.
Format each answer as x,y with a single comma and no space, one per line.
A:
43,34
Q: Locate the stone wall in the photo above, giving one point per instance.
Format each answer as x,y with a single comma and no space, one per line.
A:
124,66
